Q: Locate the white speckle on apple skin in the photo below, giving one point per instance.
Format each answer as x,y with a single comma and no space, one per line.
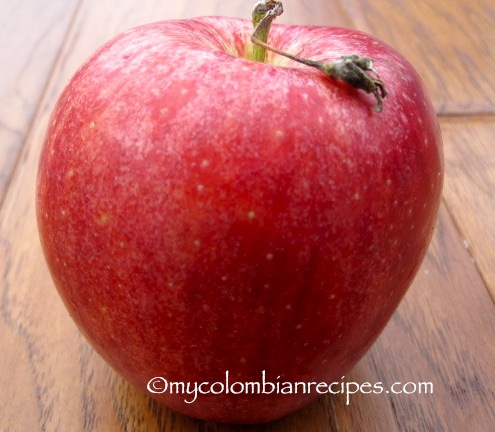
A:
104,219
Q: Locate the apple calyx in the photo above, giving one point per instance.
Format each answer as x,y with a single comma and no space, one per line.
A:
350,68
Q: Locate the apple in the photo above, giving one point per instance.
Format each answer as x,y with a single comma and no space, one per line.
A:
214,220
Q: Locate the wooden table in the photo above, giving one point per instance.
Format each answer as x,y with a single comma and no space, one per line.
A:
443,331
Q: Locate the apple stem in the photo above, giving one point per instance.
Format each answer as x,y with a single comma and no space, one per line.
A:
264,13
350,68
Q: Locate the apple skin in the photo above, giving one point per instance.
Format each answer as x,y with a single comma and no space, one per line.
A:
201,212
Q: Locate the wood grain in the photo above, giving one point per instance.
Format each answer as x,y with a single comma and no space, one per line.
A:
450,43
470,187
31,35
443,331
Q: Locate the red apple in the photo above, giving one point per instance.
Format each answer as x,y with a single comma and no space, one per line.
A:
202,212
